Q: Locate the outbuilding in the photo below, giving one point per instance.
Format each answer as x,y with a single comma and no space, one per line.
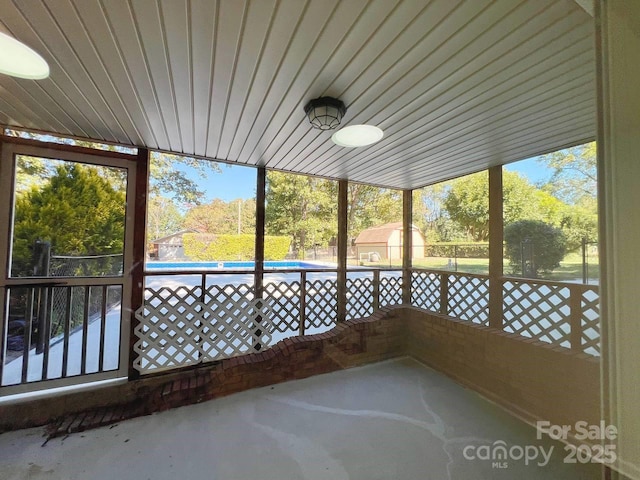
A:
170,247
384,242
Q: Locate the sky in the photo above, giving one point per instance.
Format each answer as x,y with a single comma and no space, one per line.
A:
235,181
531,169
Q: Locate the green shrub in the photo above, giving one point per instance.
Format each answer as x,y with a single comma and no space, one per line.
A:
543,249
208,247
276,247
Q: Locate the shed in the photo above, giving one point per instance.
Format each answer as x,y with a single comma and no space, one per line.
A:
386,241
169,247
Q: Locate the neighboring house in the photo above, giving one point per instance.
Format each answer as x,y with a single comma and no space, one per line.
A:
169,247
385,242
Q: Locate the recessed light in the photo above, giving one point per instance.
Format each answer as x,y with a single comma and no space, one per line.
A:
357,136
18,60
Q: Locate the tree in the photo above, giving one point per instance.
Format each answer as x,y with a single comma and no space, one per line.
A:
77,210
302,207
306,208
430,216
578,224
534,246
467,203
163,217
31,172
220,217
368,206
575,181
575,178
167,175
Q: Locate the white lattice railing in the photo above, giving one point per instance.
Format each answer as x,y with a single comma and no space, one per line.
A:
460,295
563,314
369,290
193,317
537,310
187,325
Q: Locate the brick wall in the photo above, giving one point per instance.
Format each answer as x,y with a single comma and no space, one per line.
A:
529,378
532,379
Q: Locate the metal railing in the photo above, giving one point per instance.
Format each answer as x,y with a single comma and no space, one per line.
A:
56,331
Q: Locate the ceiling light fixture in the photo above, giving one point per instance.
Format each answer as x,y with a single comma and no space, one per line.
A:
18,60
357,136
325,113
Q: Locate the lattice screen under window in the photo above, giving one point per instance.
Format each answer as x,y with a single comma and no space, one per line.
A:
181,326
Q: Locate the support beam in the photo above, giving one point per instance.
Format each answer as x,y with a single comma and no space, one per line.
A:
139,244
343,187
260,215
496,235
5,221
618,74
407,244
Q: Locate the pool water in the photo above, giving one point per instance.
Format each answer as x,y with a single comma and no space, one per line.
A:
229,265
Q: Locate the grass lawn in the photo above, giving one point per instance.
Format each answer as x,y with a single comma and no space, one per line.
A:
570,268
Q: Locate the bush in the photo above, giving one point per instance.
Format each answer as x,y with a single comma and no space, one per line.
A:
207,247
276,247
538,245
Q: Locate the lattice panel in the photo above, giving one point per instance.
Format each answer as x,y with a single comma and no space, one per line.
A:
537,310
322,303
590,321
359,297
235,322
425,290
168,320
180,326
390,291
284,300
469,298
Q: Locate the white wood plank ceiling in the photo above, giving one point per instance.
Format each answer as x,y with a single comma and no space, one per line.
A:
456,85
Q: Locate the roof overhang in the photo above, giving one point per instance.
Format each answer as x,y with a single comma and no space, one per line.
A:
457,86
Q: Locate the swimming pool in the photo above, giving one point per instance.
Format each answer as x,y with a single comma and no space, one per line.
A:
230,265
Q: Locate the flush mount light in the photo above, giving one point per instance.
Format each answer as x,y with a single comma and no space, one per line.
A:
357,136
325,113
18,60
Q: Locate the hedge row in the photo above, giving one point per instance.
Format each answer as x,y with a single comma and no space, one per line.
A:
459,250
207,247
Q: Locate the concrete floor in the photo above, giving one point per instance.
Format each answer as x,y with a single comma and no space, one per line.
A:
391,420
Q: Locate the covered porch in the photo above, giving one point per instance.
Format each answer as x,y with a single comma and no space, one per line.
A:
458,88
